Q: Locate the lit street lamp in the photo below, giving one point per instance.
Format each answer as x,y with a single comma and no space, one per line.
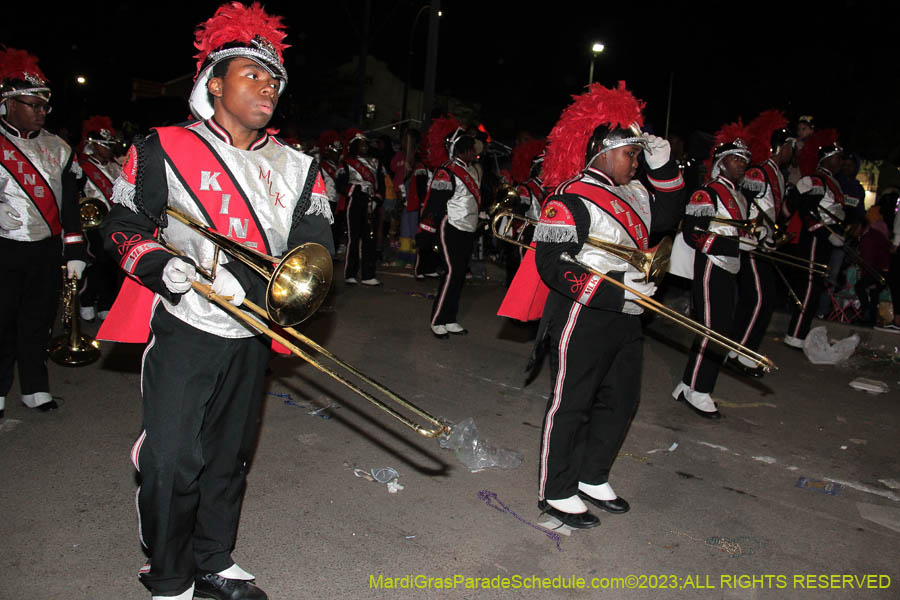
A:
81,80
596,49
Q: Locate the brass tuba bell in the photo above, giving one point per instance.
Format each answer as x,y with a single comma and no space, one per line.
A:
92,211
72,348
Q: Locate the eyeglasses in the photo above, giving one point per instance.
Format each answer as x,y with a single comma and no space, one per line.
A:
36,106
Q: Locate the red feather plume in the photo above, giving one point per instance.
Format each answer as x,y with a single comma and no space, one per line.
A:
15,63
327,138
435,150
727,133
760,131
522,156
808,158
235,22
96,123
568,140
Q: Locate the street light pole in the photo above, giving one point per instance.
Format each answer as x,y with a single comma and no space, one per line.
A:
409,61
431,62
596,49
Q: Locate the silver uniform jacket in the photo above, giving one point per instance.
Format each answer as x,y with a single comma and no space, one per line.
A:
49,154
110,170
817,185
605,227
356,179
462,207
271,175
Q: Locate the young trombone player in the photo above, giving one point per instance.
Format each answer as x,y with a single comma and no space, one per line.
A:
593,328
202,372
710,230
772,147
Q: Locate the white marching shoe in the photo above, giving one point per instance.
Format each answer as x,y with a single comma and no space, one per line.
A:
700,402
187,594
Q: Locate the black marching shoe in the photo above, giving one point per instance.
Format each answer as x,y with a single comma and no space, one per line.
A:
220,588
739,367
584,520
616,506
47,406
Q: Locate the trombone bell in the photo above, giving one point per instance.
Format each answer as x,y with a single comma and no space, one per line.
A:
299,284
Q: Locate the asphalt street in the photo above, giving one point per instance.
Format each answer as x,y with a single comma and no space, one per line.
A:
793,495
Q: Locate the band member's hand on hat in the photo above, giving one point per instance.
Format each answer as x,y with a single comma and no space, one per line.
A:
635,281
178,275
9,218
75,268
228,286
657,151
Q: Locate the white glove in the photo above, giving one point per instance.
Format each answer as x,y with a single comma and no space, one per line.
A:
835,240
226,285
659,151
75,268
484,216
178,275
635,281
10,218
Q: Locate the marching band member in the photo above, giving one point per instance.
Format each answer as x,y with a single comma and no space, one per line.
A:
434,154
717,262
772,147
330,147
594,329
818,189
203,371
99,143
39,227
361,181
451,210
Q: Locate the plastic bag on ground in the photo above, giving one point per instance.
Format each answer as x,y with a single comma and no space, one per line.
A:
820,351
474,453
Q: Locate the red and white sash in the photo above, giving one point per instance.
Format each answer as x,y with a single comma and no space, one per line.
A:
617,208
97,177
29,178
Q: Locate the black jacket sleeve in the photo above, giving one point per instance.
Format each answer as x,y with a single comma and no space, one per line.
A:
571,219
669,195
131,225
70,215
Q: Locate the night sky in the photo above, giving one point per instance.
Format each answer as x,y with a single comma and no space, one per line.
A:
834,60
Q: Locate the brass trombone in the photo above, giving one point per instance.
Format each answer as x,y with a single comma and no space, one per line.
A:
653,263
774,255
850,250
643,260
301,278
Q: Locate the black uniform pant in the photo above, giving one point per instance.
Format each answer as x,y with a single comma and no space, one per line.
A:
756,300
202,396
100,276
595,362
427,258
713,300
808,287
456,246
30,281
360,238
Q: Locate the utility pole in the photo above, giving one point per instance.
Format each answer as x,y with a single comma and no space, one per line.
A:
430,63
363,60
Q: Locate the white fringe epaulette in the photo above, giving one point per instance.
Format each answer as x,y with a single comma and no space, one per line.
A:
319,205
546,232
754,184
123,193
700,210
441,185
